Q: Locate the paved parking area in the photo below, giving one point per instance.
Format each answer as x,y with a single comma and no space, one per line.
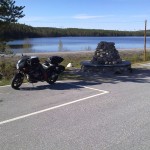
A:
110,113
15,101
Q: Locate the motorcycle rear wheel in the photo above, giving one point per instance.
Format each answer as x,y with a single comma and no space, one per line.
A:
17,81
52,79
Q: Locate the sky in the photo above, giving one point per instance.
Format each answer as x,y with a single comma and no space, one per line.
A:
128,15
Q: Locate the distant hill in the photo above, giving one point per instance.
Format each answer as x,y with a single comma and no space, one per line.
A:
21,31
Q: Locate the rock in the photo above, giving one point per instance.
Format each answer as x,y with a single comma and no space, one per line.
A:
106,53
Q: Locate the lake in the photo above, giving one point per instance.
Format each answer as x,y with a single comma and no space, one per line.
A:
75,43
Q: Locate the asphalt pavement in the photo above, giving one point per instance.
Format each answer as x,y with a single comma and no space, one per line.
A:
108,112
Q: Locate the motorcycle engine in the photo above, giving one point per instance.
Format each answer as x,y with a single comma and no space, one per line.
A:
34,75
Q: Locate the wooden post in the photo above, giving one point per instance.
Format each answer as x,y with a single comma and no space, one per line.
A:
145,41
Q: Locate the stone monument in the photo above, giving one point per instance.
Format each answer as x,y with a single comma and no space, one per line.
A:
106,54
106,57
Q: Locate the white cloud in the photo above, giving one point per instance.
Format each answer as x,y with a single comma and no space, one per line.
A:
85,16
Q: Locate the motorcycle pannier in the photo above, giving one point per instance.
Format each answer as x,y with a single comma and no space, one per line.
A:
55,59
34,60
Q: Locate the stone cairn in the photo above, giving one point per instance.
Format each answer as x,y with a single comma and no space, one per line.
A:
106,54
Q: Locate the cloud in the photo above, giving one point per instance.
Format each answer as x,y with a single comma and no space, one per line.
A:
85,16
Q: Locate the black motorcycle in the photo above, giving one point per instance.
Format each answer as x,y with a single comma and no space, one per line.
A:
31,68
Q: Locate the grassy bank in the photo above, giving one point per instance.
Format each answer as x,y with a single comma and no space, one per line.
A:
8,63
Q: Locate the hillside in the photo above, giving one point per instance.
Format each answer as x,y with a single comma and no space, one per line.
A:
20,31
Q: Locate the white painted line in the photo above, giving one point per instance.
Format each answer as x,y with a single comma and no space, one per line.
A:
51,108
10,85
91,88
83,86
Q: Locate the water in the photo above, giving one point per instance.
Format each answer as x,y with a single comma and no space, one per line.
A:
75,43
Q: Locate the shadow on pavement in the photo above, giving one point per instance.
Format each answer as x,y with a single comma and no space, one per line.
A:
58,86
139,75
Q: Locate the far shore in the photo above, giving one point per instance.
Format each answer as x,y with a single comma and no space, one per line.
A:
81,52
68,53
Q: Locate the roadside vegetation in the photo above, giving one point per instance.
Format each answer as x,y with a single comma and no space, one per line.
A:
8,62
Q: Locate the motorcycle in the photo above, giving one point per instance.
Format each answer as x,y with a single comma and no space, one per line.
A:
31,68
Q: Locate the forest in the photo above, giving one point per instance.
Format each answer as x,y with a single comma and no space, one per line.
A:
21,31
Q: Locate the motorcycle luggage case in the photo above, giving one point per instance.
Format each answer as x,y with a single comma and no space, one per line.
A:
34,60
55,59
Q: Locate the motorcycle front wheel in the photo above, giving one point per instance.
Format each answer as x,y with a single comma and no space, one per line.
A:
17,81
52,79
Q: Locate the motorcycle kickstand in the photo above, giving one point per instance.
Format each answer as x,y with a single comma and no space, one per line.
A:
32,85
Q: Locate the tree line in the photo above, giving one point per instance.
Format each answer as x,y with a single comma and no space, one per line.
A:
21,31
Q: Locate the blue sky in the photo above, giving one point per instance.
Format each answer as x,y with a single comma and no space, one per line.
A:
89,14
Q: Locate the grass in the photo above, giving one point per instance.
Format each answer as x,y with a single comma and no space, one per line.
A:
7,64
4,82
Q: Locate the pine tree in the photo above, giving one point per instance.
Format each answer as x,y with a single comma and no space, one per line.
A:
9,13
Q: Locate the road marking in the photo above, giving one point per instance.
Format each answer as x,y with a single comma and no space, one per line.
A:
83,86
51,108
58,106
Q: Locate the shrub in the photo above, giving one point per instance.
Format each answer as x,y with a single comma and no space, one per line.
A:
7,69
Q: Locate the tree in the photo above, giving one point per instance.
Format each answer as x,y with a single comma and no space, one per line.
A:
9,13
